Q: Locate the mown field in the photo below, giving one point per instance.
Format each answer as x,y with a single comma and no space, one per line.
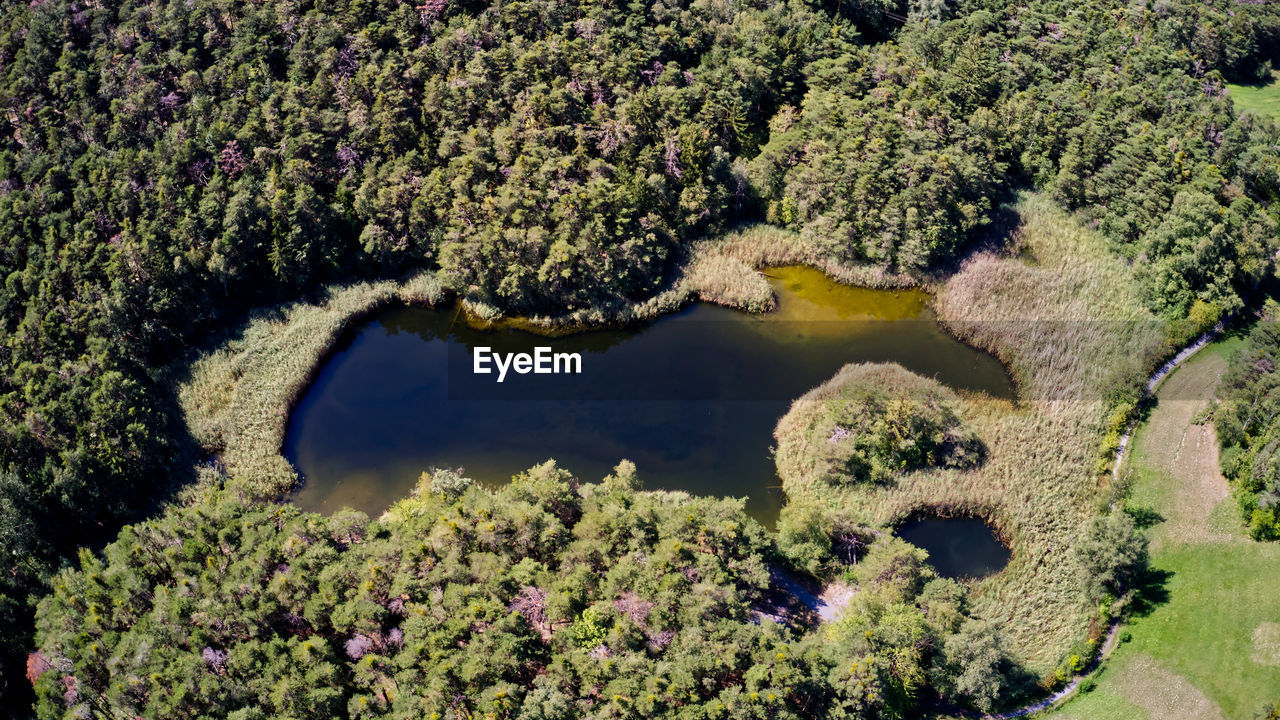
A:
1207,644
1263,98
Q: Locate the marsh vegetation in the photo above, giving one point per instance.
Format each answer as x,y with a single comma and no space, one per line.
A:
1078,342
871,423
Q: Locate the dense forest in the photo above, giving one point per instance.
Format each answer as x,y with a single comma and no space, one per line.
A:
545,599
166,165
899,150
1247,420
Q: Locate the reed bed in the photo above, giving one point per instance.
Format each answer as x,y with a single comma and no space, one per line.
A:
1075,335
237,397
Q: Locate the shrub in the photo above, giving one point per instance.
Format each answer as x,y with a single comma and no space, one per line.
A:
590,631
971,668
1113,552
449,483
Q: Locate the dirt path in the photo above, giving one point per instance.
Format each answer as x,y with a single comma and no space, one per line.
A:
826,602
1154,382
1188,452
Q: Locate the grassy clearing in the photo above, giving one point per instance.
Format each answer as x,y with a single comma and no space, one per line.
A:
1218,597
1213,600
1262,98
1070,327
1174,467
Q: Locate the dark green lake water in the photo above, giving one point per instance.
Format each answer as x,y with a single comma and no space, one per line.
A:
959,548
691,398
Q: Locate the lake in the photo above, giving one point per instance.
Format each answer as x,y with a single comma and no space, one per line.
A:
691,398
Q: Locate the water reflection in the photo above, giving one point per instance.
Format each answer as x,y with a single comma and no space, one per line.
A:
691,398
960,548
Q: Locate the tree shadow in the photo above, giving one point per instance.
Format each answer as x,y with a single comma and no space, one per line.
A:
1150,590
1023,685
1144,517
1001,235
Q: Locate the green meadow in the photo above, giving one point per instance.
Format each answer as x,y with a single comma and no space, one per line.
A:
1206,641
1262,98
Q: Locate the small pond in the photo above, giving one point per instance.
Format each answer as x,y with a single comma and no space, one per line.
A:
959,548
691,398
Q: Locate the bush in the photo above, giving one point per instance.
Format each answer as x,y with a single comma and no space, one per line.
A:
1113,553
972,666
449,483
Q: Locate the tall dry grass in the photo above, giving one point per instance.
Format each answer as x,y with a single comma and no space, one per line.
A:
1070,326
761,245
237,398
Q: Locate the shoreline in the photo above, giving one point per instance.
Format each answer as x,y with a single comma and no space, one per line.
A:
238,397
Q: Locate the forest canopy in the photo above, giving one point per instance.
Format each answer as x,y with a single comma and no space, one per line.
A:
1247,421
544,599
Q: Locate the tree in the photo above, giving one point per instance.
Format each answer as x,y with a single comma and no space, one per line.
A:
929,10
1246,420
1113,553
449,483
972,666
